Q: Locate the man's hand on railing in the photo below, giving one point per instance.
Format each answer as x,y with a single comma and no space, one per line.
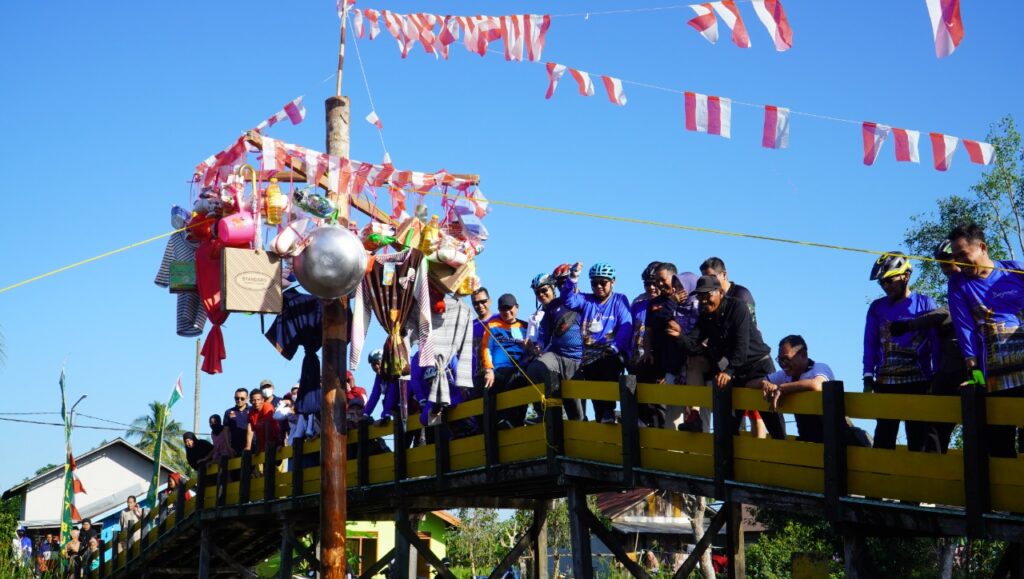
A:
722,380
974,378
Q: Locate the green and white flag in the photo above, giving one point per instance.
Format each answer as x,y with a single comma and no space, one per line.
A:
176,394
66,516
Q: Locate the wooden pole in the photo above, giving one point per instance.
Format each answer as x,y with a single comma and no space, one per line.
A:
195,404
334,435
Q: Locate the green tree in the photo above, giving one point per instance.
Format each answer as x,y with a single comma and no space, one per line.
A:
997,205
475,542
143,433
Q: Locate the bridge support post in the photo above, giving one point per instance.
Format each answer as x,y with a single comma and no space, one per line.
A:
976,479
554,428
853,555
582,559
630,429
286,550
721,399
204,553
539,540
734,540
400,570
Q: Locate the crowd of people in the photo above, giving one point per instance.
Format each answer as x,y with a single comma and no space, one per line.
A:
700,328
46,555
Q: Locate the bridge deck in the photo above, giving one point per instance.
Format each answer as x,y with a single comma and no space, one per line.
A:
972,494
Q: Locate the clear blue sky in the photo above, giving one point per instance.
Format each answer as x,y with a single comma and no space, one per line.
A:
109,106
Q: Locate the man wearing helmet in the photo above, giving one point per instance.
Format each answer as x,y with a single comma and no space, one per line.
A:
985,301
375,359
641,362
559,343
900,364
607,328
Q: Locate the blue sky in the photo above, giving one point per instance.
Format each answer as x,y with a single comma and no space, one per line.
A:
109,106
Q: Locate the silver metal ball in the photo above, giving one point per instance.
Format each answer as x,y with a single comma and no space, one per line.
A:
332,264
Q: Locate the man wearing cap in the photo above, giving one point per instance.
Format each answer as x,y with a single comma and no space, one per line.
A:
236,420
267,388
503,352
737,354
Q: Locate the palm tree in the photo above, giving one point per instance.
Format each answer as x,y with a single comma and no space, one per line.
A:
143,432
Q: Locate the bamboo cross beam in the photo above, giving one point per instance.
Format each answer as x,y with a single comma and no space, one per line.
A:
298,174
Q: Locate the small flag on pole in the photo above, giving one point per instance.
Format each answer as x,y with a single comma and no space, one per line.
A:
176,394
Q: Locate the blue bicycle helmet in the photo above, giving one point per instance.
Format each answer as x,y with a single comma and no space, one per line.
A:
375,356
543,279
601,269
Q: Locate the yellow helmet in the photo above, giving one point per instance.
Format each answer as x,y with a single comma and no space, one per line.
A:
890,265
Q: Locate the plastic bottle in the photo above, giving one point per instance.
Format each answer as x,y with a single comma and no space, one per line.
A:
276,203
314,204
429,236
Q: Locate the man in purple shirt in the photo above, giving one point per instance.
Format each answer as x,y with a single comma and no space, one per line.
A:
904,363
985,301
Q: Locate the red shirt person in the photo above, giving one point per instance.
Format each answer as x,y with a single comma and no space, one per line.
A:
262,426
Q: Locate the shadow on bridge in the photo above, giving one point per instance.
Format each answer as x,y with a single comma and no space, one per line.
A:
224,526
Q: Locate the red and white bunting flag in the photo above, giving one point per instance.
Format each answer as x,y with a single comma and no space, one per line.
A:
906,141
555,72
315,165
708,114
730,14
512,32
947,27
374,120
536,31
448,35
294,111
943,147
76,485
705,22
874,136
776,128
979,152
424,25
368,14
774,19
614,88
479,31
583,80
269,156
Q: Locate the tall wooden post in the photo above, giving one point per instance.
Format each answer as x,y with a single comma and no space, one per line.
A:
195,403
333,508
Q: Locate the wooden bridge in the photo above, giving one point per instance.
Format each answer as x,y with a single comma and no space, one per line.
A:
229,526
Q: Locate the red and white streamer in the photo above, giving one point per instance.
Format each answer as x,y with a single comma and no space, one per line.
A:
774,19
586,85
374,120
776,127
294,111
943,147
730,14
613,87
705,22
947,26
874,136
980,153
906,141
708,114
555,72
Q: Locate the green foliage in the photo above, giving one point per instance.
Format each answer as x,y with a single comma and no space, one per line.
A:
771,556
43,469
997,206
474,544
143,433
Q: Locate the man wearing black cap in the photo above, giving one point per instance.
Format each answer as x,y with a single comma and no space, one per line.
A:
734,348
503,353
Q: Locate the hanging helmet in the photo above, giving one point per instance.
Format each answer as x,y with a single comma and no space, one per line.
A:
650,272
602,270
541,280
890,265
944,250
376,356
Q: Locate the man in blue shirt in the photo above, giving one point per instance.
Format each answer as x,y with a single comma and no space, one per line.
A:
607,329
236,420
559,345
904,363
985,302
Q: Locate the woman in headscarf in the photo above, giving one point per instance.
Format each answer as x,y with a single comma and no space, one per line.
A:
197,451
221,440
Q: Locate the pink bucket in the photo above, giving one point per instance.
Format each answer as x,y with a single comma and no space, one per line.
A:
237,229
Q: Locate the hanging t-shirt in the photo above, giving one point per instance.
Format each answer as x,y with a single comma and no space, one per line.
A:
810,427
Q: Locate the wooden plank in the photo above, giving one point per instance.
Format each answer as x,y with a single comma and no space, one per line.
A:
312,446
471,444
906,488
589,450
592,432
382,475
465,410
833,409
674,395
785,476
467,461
1008,498
1004,410
663,438
526,451
422,468
903,406
1006,471
904,463
781,451
664,460
375,432
799,403
586,390
517,397
520,435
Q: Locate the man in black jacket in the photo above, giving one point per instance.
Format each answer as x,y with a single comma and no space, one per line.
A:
726,335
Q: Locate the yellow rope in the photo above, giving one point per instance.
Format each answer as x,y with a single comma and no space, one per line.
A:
556,210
